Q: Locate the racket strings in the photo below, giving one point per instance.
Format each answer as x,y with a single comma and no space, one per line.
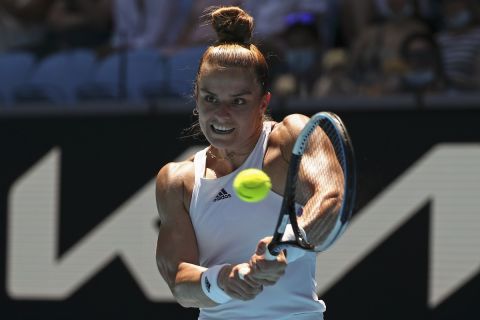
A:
321,181
335,140
315,168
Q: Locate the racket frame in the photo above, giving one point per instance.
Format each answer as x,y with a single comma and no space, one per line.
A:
287,211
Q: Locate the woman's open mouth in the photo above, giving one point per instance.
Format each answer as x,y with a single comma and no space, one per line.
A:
220,129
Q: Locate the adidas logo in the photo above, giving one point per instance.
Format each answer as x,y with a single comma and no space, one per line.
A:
223,194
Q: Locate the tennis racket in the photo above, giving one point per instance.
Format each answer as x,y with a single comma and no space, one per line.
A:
322,147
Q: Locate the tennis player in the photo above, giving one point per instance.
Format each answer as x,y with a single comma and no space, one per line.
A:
207,234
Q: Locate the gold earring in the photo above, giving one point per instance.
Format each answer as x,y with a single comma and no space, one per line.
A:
195,111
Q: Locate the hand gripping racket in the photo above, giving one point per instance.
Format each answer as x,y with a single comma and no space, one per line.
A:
322,147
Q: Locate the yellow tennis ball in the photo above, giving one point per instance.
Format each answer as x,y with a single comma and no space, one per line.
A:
252,185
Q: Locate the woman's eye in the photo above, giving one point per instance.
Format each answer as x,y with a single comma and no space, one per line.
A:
239,101
210,99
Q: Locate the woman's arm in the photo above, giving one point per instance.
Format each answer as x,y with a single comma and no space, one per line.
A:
177,253
321,209
177,250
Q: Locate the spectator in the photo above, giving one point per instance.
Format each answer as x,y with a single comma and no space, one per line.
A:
299,67
270,14
424,72
375,53
460,44
356,15
335,80
148,23
21,24
79,23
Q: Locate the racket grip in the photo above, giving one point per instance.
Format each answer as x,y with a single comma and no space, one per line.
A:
243,272
268,256
246,270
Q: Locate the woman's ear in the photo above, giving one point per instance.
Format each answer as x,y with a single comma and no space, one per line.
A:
265,101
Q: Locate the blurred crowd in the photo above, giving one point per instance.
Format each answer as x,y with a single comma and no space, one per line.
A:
316,48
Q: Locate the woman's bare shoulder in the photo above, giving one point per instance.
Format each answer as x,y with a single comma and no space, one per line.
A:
286,132
174,184
174,172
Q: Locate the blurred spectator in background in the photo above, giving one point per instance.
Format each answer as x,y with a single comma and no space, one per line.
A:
275,32
22,24
79,23
300,63
335,79
460,44
356,15
140,24
424,73
375,53
163,24
271,14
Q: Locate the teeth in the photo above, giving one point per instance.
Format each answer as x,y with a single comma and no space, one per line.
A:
221,128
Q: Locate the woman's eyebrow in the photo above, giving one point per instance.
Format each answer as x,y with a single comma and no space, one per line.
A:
207,91
242,93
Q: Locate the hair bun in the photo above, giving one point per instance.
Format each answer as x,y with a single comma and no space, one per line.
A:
232,24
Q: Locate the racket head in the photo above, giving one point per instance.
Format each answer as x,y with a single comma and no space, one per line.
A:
322,155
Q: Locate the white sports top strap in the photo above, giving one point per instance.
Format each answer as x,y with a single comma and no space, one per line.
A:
254,160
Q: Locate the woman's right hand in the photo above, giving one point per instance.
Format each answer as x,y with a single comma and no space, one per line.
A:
265,271
230,282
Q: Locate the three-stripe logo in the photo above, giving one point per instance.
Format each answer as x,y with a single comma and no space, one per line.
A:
223,194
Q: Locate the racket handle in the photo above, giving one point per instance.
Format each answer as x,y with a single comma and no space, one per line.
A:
243,272
246,270
268,255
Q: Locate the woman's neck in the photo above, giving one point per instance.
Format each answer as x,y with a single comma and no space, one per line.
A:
235,157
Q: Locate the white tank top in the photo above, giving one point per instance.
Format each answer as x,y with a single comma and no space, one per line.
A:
228,230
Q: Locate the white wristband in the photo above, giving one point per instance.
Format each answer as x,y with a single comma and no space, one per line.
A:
293,253
210,286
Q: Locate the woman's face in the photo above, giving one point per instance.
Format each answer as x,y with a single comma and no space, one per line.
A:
230,107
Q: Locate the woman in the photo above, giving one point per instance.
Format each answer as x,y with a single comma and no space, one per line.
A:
206,234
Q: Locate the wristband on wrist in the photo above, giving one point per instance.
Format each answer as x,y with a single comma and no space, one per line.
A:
293,253
209,281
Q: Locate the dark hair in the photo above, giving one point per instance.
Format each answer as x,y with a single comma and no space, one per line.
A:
420,36
302,22
233,48
427,38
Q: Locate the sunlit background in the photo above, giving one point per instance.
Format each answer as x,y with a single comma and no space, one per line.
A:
94,95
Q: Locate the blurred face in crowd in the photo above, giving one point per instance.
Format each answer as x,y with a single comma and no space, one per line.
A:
230,106
395,10
454,7
397,6
303,48
420,58
456,14
420,55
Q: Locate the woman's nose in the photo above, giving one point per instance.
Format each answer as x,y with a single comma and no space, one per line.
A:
223,109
